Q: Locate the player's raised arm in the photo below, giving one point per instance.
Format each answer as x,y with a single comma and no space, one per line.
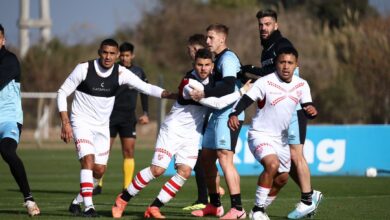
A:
127,77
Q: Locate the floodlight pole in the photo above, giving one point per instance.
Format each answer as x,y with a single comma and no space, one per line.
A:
44,23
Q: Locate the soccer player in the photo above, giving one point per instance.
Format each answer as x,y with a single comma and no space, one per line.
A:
123,118
272,40
277,96
219,141
11,120
95,84
196,42
179,136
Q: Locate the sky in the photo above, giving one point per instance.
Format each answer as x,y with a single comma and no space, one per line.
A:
75,21
78,21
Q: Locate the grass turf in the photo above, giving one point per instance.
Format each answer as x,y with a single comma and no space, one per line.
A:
54,179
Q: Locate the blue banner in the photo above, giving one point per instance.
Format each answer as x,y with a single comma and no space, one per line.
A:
329,150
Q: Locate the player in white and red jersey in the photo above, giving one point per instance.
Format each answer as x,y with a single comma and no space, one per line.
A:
277,95
95,83
179,136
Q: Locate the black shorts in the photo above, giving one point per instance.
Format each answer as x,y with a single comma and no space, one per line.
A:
125,128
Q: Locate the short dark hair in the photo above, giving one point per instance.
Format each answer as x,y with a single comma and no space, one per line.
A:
267,13
199,39
126,46
286,50
204,54
109,42
221,28
1,29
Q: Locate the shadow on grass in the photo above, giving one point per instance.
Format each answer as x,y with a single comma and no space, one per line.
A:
67,192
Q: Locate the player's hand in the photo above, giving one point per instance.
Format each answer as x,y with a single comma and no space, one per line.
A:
247,86
66,132
196,95
144,119
233,123
168,95
310,110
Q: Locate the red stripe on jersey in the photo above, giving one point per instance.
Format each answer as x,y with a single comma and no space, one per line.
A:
167,190
139,177
174,184
86,184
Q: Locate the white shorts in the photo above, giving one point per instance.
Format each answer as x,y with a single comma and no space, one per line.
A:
92,140
262,145
169,144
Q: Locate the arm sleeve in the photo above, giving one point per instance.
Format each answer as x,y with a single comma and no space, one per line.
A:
222,102
70,85
9,70
126,77
225,87
244,103
260,71
144,98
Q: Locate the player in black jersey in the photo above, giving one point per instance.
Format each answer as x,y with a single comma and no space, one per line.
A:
123,118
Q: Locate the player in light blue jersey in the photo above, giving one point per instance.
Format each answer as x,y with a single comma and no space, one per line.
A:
219,141
11,120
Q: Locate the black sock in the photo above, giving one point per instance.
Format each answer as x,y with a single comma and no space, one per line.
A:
215,199
200,181
257,208
126,195
157,203
306,198
236,201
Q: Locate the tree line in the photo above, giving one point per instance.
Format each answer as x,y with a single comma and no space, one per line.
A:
343,48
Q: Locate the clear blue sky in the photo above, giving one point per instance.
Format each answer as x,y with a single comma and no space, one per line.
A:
77,20
82,20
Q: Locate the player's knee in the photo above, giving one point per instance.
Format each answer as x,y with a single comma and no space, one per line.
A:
272,166
157,171
184,171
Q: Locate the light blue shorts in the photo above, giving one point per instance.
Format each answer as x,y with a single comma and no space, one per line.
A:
10,129
297,128
218,136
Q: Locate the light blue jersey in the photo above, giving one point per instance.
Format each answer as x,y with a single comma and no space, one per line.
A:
11,103
229,65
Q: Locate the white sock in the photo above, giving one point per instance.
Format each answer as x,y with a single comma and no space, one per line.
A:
86,187
79,199
170,188
140,181
261,196
269,201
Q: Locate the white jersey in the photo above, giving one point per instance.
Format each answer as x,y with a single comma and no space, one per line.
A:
184,120
277,101
96,110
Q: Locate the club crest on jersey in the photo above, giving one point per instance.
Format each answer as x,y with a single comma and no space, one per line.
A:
160,156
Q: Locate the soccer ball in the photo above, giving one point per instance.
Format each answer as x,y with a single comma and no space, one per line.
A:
371,172
258,216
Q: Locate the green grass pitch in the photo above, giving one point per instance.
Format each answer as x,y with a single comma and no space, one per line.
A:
54,179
